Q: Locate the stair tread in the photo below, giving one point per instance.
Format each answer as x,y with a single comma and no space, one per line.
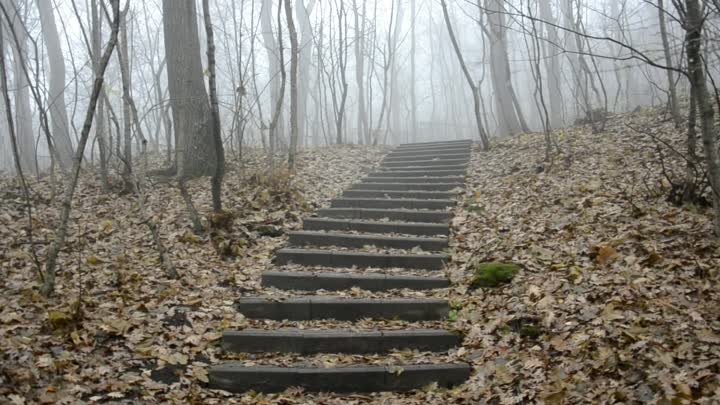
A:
376,227
315,307
356,253
350,341
237,377
368,236
338,281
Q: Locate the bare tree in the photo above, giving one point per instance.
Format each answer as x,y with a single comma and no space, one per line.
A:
673,99
96,35
56,102
219,173
302,12
511,118
693,22
293,85
552,65
23,113
360,23
484,141
274,49
59,239
195,151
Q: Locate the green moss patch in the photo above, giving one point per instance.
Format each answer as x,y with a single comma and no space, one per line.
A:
527,327
493,274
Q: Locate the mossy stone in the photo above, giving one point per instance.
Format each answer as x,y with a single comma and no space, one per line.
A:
493,274
531,331
269,230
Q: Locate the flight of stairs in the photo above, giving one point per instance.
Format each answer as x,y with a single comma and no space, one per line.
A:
402,210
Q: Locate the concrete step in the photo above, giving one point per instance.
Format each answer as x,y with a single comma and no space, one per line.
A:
235,377
337,341
423,195
394,186
390,214
420,173
459,148
435,143
409,203
426,155
330,281
333,258
425,163
422,168
409,228
385,179
308,238
445,150
343,309
405,159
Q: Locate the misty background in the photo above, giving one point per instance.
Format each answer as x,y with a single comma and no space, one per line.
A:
379,72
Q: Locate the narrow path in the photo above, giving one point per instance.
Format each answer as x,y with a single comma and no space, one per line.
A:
396,219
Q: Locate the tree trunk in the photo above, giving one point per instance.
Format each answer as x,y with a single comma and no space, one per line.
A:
56,94
59,239
124,58
96,39
674,105
362,123
293,85
23,113
484,142
195,149
302,12
500,69
217,176
394,105
694,25
342,58
552,65
413,93
272,48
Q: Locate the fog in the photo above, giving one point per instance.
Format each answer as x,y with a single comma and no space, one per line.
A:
380,72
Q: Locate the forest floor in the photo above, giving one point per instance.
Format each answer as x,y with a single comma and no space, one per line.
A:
617,300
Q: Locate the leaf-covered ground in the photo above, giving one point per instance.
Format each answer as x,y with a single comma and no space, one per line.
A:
117,329
616,302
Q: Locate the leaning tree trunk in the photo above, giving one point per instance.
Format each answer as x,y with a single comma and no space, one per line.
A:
59,240
195,149
484,142
58,110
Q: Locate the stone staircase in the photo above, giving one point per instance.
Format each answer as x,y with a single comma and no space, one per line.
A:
403,211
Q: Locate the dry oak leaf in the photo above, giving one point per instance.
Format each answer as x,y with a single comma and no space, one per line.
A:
606,254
